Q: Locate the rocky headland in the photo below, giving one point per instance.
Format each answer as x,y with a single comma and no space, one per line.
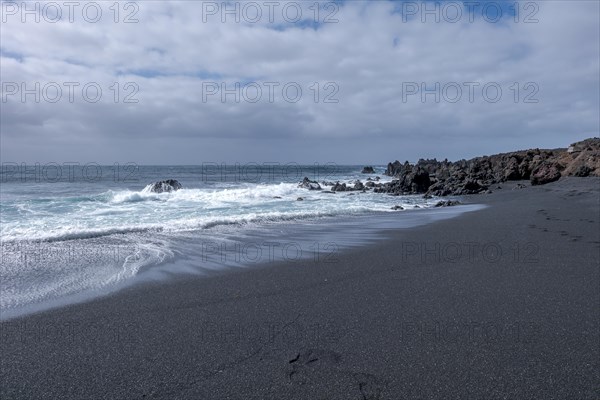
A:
478,175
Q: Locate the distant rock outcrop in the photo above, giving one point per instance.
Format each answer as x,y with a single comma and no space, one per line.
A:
368,170
442,178
169,185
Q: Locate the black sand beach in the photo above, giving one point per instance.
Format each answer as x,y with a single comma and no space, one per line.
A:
498,303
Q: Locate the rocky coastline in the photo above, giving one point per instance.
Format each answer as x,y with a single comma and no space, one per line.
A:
464,177
480,174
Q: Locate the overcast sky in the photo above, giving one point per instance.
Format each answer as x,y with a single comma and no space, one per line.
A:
360,67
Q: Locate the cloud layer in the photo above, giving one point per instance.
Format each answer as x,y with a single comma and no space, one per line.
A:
357,77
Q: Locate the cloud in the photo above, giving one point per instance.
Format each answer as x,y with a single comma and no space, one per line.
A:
363,64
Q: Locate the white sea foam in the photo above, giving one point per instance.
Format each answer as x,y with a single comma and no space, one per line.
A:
122,212
55,246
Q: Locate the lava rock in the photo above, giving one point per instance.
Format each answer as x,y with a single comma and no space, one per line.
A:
169,185
447,203
339,187
546,172
310,185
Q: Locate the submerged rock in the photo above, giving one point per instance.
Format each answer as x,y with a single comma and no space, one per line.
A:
169,185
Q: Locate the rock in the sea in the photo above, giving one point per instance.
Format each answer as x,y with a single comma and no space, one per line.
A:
447,203
339,187
310,185
358,185
368,170
300,199
169,185
396,208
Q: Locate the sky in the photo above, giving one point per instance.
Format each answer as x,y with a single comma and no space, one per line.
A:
348,82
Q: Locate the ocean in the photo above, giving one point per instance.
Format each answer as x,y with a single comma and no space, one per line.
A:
72,232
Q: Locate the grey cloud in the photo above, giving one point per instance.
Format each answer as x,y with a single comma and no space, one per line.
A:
368,54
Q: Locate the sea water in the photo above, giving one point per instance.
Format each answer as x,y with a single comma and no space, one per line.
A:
74,232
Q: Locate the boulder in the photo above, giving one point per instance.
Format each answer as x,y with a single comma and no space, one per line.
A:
308,184
368,170
546,172
582,171
168,185
339,187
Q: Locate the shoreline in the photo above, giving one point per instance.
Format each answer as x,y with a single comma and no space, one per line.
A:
518,322
305,240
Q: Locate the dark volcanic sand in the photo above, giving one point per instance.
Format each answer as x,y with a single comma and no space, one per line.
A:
389,321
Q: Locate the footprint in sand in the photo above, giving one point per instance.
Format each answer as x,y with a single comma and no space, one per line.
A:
307,362
369,385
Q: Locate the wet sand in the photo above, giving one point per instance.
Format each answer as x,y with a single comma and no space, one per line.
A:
497,303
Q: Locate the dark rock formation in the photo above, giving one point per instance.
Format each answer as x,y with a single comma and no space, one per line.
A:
447,203
582,159
339,187
169,185
443,178
368,170
396,208
310,185
411,179
546,172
